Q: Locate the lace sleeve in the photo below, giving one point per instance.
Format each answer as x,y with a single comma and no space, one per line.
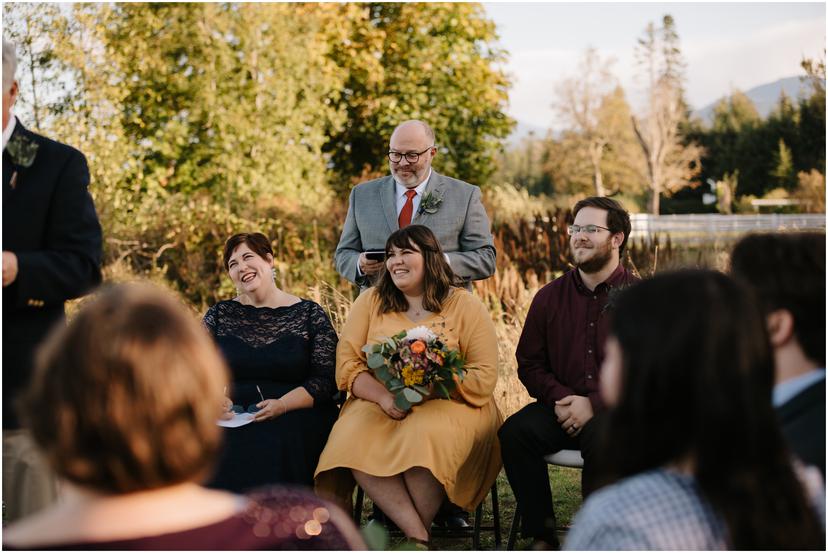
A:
321,384
209,321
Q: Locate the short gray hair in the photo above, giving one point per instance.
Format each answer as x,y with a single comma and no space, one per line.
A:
9,64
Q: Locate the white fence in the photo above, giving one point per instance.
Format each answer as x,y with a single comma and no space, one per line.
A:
703,227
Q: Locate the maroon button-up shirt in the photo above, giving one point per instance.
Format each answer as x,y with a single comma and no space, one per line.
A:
561,347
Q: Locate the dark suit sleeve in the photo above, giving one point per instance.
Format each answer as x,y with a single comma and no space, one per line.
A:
70,262
347,252
476,258
533,359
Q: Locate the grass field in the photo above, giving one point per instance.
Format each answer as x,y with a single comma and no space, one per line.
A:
566,493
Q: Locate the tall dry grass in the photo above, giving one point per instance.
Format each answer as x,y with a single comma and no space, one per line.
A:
532,249
531,252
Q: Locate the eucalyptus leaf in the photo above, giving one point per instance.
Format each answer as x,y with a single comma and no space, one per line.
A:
402,403
368,348
413,396
422,389
375,361
395,384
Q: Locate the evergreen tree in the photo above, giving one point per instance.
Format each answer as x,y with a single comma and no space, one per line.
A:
783,171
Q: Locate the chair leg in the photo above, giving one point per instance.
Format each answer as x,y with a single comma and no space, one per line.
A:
358,506
496,515
513,530
478,517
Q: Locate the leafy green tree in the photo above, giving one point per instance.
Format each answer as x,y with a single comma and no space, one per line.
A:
623,163
735,113
733,144
27,25
200,120
523,164
811,153
436,62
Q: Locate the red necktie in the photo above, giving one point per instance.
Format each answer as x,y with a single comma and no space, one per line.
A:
408,209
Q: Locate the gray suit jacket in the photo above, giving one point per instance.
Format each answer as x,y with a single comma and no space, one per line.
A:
460,225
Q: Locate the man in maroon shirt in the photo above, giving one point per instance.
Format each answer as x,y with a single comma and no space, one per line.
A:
559,356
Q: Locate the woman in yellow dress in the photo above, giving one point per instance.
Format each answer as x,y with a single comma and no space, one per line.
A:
408,461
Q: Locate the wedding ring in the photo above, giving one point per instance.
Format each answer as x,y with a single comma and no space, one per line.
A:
574,426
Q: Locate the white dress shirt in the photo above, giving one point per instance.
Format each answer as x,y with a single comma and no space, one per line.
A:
785,391
401,197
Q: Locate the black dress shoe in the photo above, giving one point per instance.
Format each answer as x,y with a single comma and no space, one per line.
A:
454,521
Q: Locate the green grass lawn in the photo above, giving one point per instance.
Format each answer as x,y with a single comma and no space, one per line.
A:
566,493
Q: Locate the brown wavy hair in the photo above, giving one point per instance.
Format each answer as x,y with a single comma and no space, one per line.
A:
126,397
438,277
256,241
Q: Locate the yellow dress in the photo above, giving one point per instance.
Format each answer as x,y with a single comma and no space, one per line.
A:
455,439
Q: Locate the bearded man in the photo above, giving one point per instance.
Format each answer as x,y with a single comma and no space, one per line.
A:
559,356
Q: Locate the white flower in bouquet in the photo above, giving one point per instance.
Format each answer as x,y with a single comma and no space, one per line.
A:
420,333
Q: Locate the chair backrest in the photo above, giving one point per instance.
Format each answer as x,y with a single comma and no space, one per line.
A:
566,458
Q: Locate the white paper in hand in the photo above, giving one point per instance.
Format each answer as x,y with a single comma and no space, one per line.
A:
239,419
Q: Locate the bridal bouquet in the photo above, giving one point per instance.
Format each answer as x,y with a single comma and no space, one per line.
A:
413,363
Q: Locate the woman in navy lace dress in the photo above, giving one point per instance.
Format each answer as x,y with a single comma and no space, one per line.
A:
281,351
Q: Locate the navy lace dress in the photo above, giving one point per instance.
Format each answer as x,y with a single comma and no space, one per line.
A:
277,349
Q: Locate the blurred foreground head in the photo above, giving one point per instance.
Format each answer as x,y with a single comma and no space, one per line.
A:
693,357
126,397
693,389
787,274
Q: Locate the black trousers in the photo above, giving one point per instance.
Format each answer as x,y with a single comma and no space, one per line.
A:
525,438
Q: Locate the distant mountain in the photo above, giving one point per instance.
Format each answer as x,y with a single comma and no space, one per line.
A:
764,96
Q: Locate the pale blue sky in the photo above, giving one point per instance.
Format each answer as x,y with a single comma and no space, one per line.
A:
726,45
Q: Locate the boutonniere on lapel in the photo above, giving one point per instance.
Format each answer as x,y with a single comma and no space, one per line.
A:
22,151
430,203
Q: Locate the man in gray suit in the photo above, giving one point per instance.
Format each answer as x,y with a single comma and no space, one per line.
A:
415,194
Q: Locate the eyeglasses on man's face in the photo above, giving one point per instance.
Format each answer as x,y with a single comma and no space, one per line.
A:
410,157
587,229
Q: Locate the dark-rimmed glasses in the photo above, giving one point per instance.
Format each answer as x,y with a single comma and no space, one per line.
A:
572,230
410,157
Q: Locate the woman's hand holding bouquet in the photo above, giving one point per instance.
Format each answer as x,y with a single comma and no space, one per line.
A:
415,365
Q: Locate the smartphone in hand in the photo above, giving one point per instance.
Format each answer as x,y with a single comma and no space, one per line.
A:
375,255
